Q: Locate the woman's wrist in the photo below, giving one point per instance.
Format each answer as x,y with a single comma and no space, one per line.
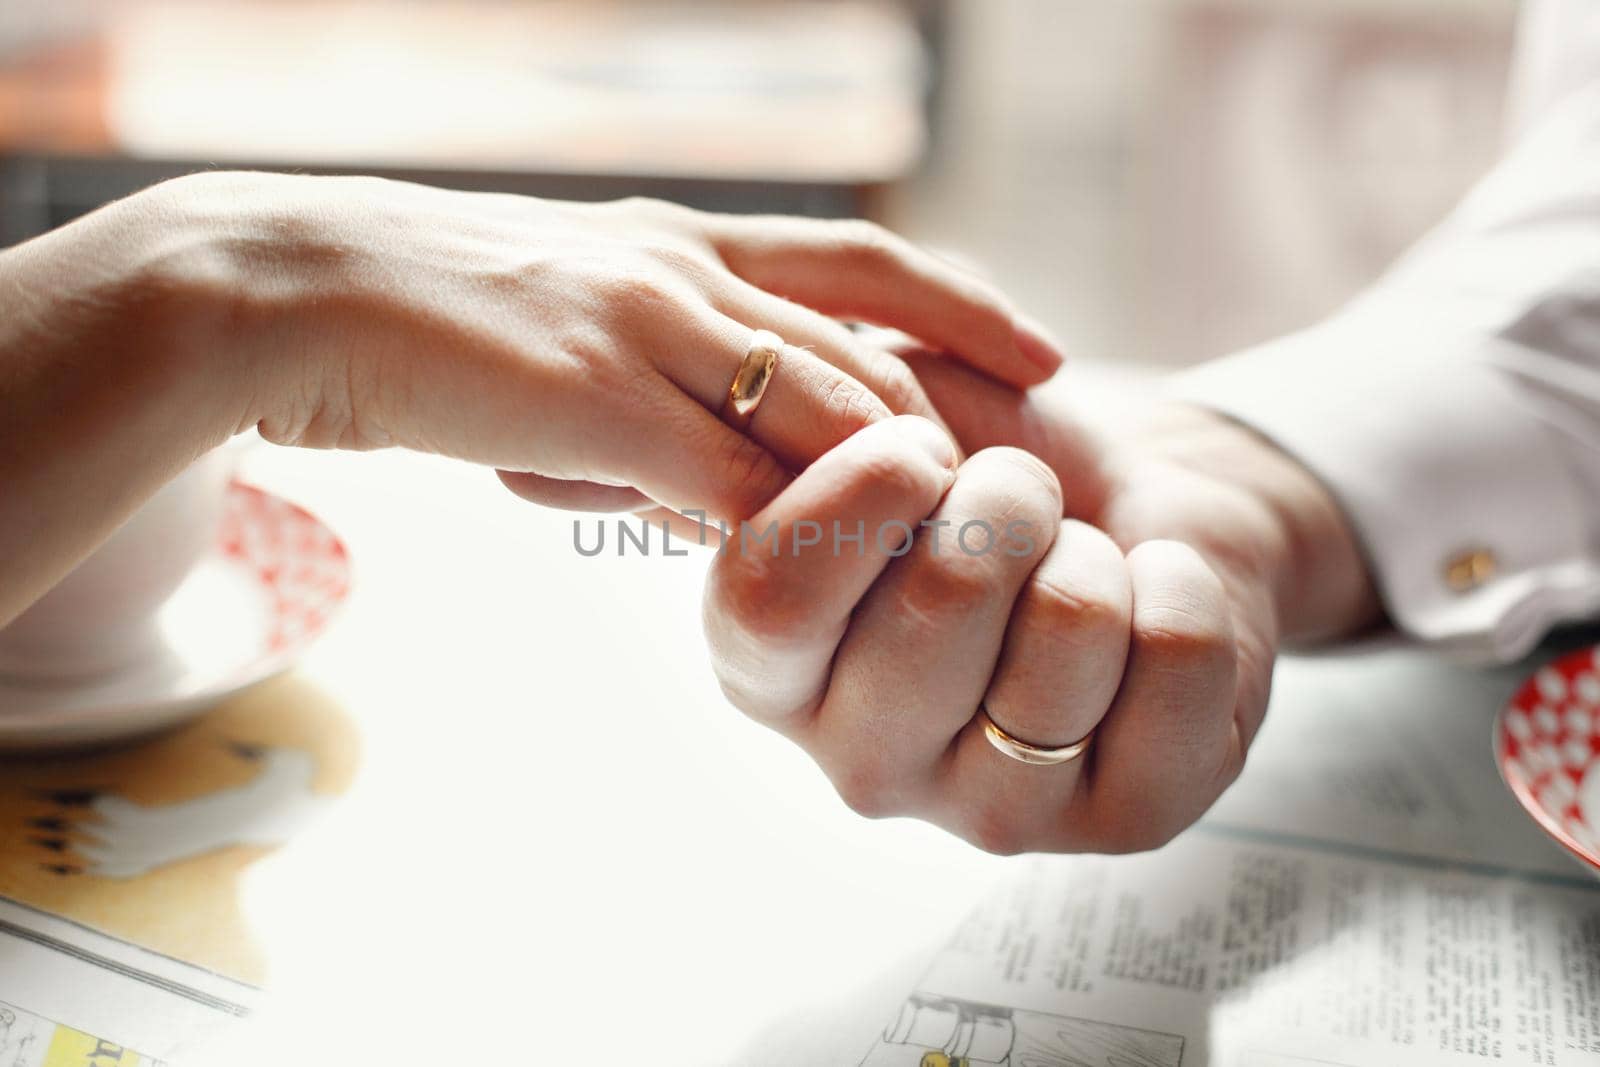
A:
1322,585
286,284
143,298
198,264
111,382
115,304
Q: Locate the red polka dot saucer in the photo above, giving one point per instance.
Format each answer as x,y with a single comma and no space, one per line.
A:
1547,746
269,587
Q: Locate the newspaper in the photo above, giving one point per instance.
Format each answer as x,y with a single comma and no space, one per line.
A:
1368,894
73,997
123,938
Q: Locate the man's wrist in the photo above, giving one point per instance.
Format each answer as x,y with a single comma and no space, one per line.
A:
1322,587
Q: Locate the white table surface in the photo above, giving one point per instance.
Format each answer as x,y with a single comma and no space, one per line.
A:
492,881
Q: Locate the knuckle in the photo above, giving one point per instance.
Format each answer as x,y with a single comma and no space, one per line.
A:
950,586
1073,615
741,591
749,592
995,828
898,387
682,262
590,371
868,244
600,369
1173,563
1148,836
893,474
1233,761
651,208
734,689
1136,831
866,789
850,404
749,475
989,307
1177,638
640,289
1043,488
643,205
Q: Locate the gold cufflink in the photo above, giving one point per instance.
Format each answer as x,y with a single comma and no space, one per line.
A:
1469,569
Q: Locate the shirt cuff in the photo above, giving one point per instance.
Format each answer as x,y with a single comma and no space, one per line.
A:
1458,488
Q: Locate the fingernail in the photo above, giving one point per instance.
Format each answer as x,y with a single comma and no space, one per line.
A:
1037,345
927,437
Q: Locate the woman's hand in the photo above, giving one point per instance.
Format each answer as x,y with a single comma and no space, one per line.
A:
1150,615
586,347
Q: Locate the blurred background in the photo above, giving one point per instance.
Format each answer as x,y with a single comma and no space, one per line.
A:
1160,181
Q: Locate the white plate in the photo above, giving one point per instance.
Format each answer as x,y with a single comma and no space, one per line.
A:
268,589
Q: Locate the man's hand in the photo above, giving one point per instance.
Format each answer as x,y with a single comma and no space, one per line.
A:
1146,604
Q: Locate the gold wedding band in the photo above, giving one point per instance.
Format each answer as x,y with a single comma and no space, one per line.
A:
1023,752
751,381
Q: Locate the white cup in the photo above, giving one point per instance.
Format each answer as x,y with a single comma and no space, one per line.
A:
101,617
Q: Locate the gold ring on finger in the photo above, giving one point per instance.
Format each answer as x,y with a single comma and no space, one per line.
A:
1024,752
752,378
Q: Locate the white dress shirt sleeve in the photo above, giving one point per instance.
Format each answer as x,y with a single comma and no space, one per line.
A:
1454,409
